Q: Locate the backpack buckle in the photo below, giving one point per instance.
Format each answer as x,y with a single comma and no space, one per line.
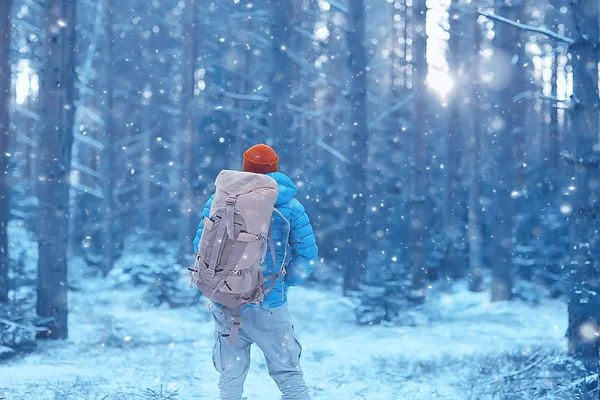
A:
231,200
210,273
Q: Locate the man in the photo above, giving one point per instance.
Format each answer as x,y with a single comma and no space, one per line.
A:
268,324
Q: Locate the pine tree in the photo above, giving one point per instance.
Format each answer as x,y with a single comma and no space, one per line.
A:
5,28
56,138
359,132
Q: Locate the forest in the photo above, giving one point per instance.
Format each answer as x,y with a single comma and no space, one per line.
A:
447,153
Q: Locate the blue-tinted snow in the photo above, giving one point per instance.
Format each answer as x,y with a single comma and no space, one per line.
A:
119,346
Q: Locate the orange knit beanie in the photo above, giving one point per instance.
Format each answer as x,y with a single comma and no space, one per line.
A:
260,159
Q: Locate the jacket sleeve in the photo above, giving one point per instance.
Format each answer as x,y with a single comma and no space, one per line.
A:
205,213
303,246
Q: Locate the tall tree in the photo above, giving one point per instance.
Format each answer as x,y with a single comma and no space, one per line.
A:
84,190
584,301
506,50
5,27
418,213
523,190
356,251
107,157
56,98
473,115
455,213
187,141
552,147
280,119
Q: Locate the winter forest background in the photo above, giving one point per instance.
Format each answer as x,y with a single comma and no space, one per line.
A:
447,152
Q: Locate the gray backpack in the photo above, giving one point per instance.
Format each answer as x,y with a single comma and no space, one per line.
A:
233,245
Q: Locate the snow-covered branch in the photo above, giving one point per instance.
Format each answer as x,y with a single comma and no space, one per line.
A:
530,28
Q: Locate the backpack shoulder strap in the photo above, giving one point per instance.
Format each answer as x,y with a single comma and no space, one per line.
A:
282,217
281,271
274,258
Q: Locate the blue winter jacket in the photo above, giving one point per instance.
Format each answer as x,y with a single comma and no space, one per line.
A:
302,250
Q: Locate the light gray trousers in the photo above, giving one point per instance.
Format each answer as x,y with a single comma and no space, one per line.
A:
272,331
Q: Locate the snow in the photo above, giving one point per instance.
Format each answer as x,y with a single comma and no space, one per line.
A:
118,348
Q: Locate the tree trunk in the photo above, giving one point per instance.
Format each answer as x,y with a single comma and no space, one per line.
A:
187,142
505,45
82,153
146,192
56,98
473,114
455,214
107,158
5,95
584,301
523,203
418,213
280,122
552,146
356,251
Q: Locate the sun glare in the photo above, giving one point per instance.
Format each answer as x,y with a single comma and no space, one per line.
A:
27,83
440,82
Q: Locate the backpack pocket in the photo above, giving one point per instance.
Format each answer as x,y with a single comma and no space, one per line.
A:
207,240
241,282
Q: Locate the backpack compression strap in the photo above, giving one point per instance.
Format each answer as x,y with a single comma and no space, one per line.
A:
227,226
229,214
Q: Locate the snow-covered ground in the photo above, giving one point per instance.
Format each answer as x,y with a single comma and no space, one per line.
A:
118,349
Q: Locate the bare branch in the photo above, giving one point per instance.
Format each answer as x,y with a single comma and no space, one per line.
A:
391,110
240,111
305,33
333,151
311,113
26,112
589,160
552,98
89,141
530,28
339,6
248,97
245,15
14,325
92,114
255,125
310,68
86,189
27,25
518,372
86,170
22,138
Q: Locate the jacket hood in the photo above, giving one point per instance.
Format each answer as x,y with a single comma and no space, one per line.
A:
287,188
